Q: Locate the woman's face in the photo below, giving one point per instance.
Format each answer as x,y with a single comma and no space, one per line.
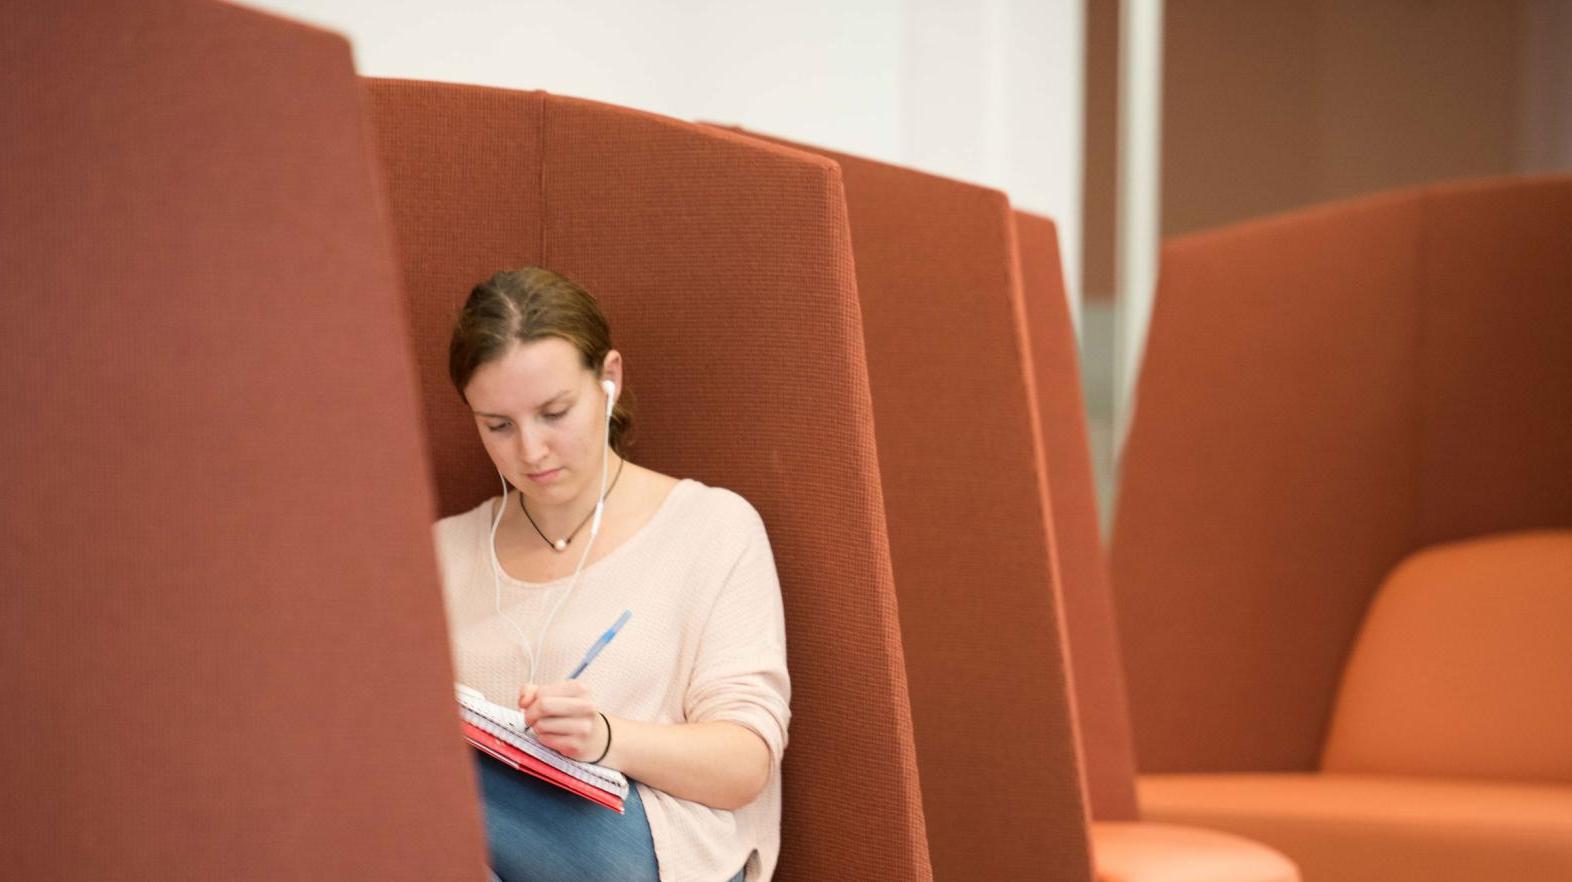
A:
541,415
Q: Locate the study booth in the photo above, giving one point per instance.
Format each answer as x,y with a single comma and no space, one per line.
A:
972,361
227,338
1342,554
744,341
964,493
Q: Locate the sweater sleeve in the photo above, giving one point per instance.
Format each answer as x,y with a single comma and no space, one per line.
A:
739,672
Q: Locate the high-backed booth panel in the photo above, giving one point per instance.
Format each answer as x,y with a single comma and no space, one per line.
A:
1098,674
1125,849
724,266
967,499
222,646
1324,393
1351,434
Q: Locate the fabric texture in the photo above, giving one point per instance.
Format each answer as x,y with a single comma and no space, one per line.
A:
1462,666
969,521
1124,850
724,266
706,642
221,620
1103,719
1324,393
1375,828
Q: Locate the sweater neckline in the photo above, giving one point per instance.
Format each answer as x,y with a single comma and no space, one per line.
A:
638,535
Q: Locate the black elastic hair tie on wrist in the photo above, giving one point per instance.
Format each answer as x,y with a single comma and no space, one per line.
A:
608,740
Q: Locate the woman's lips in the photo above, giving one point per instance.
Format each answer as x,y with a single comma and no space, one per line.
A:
544,477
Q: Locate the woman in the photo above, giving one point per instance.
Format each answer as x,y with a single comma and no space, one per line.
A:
690,699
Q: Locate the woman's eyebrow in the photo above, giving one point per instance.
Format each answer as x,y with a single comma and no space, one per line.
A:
549,402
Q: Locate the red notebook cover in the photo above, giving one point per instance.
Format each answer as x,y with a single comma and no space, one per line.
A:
522,761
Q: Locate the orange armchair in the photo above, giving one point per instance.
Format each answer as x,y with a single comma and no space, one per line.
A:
1345,632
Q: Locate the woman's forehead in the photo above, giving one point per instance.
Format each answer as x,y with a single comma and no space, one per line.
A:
529,375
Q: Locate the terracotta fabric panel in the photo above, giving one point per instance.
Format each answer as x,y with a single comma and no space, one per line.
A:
725,270
462,172
966,493
1323,393
1097,670
1268,482
1143,852
222,645
1495,370
1464,664
1124,850
1367,828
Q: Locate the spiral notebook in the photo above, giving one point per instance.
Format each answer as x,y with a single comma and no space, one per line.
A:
499,731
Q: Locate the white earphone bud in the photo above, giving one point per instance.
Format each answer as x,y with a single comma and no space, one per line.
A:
611,395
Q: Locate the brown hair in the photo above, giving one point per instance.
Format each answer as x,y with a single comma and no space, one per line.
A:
523,305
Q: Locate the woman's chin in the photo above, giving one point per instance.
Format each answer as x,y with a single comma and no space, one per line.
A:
553,491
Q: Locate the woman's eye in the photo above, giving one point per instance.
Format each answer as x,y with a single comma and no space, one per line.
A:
555,416
498,428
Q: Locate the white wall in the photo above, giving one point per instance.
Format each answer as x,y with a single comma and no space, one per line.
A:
992,91
988,91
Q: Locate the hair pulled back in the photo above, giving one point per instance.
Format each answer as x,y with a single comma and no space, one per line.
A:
524,305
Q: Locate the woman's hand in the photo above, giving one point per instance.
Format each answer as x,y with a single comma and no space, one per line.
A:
718,763
563,718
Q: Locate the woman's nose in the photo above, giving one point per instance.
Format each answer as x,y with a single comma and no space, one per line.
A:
532,447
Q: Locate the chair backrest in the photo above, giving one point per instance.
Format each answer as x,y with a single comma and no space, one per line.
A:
222,643
1102,715
1323,393
724,267
966,492
1464,665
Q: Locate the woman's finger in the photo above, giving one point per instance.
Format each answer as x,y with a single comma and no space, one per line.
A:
561,706
570,726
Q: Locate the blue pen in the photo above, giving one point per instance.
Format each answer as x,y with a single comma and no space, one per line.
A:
601,643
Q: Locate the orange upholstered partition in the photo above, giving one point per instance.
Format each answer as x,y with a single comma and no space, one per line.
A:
1125,848
966,491
222,647
1324,393
725,268
1094,645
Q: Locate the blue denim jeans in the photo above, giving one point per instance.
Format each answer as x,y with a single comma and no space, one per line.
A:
540,833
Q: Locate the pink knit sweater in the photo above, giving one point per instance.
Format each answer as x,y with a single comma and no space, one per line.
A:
707,641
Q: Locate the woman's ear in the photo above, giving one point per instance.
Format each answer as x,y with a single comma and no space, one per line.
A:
611,368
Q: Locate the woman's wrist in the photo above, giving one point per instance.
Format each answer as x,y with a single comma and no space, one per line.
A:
605,725
621,735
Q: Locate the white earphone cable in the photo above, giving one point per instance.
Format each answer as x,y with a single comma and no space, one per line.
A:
600,506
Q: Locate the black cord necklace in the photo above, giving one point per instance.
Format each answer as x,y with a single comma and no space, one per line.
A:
562,544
